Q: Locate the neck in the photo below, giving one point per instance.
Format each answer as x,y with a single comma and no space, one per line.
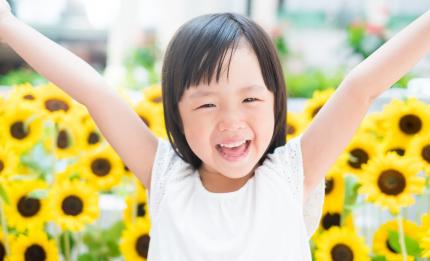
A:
218,183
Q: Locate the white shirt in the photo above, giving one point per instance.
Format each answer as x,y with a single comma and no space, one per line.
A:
263,220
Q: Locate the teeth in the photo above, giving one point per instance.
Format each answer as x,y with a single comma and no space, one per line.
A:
232,145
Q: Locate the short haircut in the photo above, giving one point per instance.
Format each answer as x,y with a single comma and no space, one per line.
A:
196,54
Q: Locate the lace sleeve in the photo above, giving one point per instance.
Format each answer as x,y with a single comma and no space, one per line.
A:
163,167
312,208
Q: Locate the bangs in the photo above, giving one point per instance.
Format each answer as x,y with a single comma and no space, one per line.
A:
215,44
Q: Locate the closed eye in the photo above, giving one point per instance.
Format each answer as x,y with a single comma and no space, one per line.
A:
209,105
251,100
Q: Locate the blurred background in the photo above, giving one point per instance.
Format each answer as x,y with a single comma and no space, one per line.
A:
377,203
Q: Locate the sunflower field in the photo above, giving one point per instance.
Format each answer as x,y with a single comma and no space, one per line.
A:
56,166
377,197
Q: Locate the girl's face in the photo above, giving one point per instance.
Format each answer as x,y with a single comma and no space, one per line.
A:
230,124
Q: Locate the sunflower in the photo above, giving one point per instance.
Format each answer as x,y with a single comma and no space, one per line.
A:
8,162
137,206
331,219
407,118
334,190
153,95
150,114
92,137
25,210
419,148
374,124
23,93
314,105
341,244
3,244
21,127
55,103
381,243
296,123
35,246
74,204
67,139
102,168
360,150
425,244
391,181
424,234
398,144
134,242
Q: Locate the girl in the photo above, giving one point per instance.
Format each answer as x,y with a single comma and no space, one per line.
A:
225,186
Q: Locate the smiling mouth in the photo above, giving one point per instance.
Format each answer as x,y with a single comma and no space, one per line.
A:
234,152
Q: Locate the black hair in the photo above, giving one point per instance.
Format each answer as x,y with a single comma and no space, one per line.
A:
196,54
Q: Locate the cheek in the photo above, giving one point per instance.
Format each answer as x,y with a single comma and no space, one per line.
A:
197,132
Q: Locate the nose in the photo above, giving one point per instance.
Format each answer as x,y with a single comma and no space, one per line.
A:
230,121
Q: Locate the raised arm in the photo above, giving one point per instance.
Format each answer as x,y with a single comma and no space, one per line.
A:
117,121
337,121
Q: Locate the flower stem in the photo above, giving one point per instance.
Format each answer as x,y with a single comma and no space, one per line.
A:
401,236
67,246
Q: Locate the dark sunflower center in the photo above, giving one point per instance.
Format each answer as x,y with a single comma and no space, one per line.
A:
357,158
144,120
2,251
391,182
410,124
63,140
56,105
387,243
141,210
329,220
316,111
35,252
425,153
142,245
28,97
17,130
290,129
1,166
399,151
342,252
157,99
93,138
72,205
329,185
101,167
28,207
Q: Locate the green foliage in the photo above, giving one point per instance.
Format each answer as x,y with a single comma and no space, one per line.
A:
3,194
412,246
102,243
379,258
305,84
361,41
351,194
21,76
66,235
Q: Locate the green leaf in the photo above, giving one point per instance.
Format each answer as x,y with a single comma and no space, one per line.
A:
3,194
379,258
351,194
39,160
412,246
39,194
86,257
66,235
